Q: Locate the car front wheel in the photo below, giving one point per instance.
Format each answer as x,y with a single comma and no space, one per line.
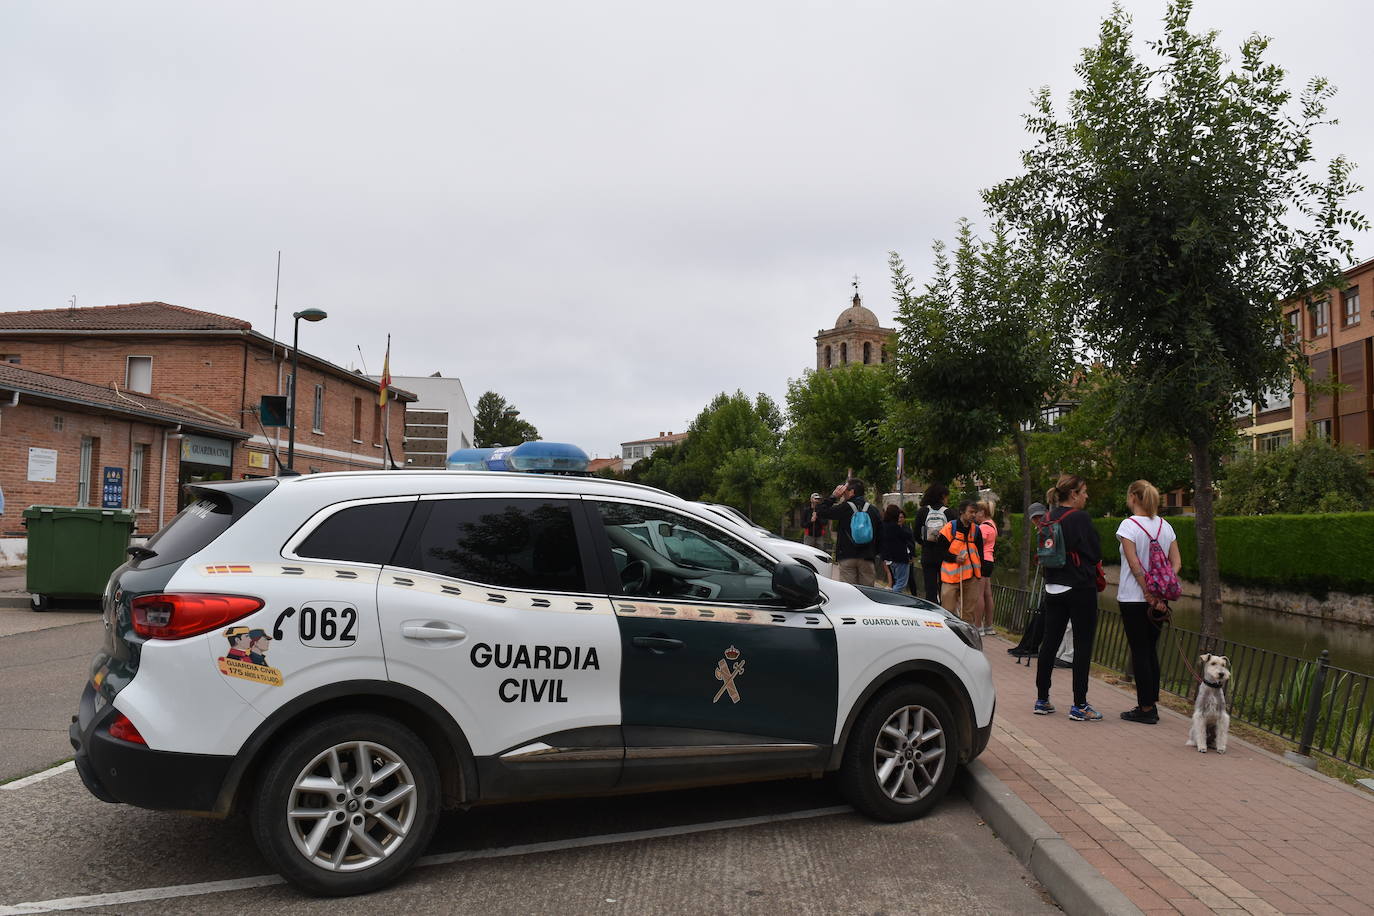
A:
901,756
347,805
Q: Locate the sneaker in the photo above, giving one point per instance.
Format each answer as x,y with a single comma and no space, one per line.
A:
1139,715
1084,713
1043,707
989,631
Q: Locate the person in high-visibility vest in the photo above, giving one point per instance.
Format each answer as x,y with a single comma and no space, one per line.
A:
961,545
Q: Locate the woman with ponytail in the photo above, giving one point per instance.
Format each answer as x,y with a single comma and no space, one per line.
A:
1070,596
1143,613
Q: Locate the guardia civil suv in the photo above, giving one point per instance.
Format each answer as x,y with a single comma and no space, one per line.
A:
342,656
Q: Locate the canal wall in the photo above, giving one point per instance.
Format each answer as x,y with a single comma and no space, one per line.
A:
1334,606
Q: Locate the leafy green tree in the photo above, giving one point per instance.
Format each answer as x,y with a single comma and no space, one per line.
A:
978,350
729,456
1179,193
1311,475
497,422
833,418
742,476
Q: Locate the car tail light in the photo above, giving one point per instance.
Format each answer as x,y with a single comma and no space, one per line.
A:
180,616
123,729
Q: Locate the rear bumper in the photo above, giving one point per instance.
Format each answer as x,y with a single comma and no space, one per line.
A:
132,774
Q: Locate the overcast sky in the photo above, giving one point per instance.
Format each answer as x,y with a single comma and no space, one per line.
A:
606,212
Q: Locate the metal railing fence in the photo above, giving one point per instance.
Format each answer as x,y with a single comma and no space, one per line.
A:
1324,709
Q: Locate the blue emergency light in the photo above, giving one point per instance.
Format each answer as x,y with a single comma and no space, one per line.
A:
529,457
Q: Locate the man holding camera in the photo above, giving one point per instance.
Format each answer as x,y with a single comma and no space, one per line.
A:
854,559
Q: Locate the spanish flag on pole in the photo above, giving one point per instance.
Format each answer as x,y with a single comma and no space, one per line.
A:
386,375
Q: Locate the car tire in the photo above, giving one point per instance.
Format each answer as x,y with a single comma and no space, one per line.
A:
902,754
375,819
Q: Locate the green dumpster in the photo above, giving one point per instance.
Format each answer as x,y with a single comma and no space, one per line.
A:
73,550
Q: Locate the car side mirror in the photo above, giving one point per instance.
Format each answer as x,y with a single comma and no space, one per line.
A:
796,585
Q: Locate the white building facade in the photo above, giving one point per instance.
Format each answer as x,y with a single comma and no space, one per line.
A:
439,423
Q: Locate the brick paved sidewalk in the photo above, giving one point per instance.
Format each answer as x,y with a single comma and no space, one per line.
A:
1175,830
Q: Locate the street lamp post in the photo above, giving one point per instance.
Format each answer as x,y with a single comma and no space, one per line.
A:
308,315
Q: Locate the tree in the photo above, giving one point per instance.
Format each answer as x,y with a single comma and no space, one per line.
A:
497,422
1179,194
729,455
1308,476
833,418
978,349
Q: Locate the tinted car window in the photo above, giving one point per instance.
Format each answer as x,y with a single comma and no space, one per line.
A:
663,553
517,543
189,531
359,534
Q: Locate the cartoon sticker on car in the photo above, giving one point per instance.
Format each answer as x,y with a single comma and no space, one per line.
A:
247,657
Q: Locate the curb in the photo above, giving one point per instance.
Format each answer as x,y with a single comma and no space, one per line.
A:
1075,885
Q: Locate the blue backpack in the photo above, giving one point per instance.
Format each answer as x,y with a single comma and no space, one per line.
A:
861,526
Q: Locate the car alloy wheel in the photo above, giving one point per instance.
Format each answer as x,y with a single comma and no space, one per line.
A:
909,754
351,806
346,804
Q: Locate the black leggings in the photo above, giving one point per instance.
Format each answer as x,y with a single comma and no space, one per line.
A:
1079,606
1143,636
932,581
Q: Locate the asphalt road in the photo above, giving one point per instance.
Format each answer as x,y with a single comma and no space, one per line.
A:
42,672
766,848
745,849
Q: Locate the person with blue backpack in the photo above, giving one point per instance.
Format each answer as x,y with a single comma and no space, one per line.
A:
1150,562
856,535
1069,550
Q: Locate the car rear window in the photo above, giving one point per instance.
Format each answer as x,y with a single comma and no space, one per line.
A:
193,528
359,534
190,530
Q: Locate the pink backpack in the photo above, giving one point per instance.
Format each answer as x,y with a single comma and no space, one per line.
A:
1160,580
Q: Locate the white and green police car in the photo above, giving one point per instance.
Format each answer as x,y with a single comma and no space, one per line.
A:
342,656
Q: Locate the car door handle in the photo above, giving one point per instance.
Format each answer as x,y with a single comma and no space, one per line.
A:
658,643
434,631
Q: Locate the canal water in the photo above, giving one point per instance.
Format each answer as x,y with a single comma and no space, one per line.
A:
1351,646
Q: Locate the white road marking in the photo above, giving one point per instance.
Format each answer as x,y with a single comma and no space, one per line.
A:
39,777
237,884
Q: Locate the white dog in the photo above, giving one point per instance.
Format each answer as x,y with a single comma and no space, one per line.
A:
1211,721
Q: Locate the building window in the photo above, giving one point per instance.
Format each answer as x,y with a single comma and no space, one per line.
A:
137,462
883,354
1272,442
1294,323
317,424
58,423
827,356
1321,429
1350,299
844,354
83,471
357,419
138,374
10,358
868,354
1321,318
376,424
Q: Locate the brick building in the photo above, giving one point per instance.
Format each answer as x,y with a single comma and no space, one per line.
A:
206,372
70,443
1340,346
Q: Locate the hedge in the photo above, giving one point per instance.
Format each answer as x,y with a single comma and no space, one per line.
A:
1316,553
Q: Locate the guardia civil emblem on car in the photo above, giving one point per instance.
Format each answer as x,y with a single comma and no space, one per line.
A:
726,674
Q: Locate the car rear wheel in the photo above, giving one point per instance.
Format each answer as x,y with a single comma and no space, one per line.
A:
901,756
347,805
